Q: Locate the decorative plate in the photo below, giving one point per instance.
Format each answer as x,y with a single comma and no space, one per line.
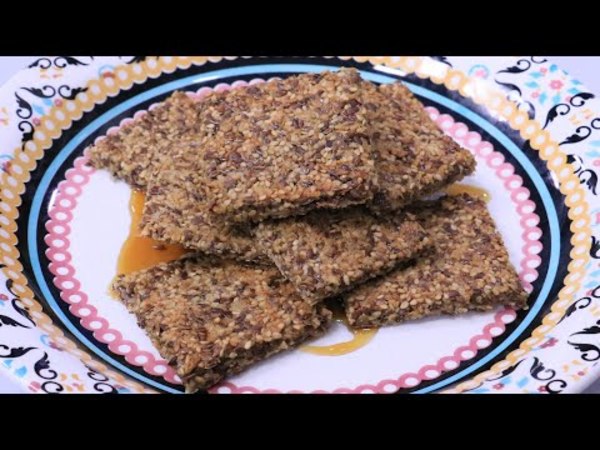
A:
533,130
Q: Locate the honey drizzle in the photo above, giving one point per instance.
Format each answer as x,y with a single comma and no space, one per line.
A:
360,338
474,191
139,252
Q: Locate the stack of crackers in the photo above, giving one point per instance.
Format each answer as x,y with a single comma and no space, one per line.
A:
291,192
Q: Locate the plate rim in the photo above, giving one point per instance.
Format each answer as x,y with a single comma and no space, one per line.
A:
453,79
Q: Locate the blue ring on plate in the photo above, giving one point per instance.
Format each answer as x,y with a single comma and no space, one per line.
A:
42,187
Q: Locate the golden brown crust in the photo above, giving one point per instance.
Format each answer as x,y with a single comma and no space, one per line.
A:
288,147
328,252
211,319
138,149
177,211
468,270
157,152
413,157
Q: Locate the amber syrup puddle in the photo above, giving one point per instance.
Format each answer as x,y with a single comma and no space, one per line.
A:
360,338
139,252
474,191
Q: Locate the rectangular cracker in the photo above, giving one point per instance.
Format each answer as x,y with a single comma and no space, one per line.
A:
288,147
468,270
136,151
176,211
413,157
213,319
328,252
155,152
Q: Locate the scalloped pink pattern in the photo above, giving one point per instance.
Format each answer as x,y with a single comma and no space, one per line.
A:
75,178
407,380
70,288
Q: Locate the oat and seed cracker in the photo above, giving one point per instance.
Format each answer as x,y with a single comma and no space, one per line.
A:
296,144
176,211
413,157
328,252
137,150
467,270
212,319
